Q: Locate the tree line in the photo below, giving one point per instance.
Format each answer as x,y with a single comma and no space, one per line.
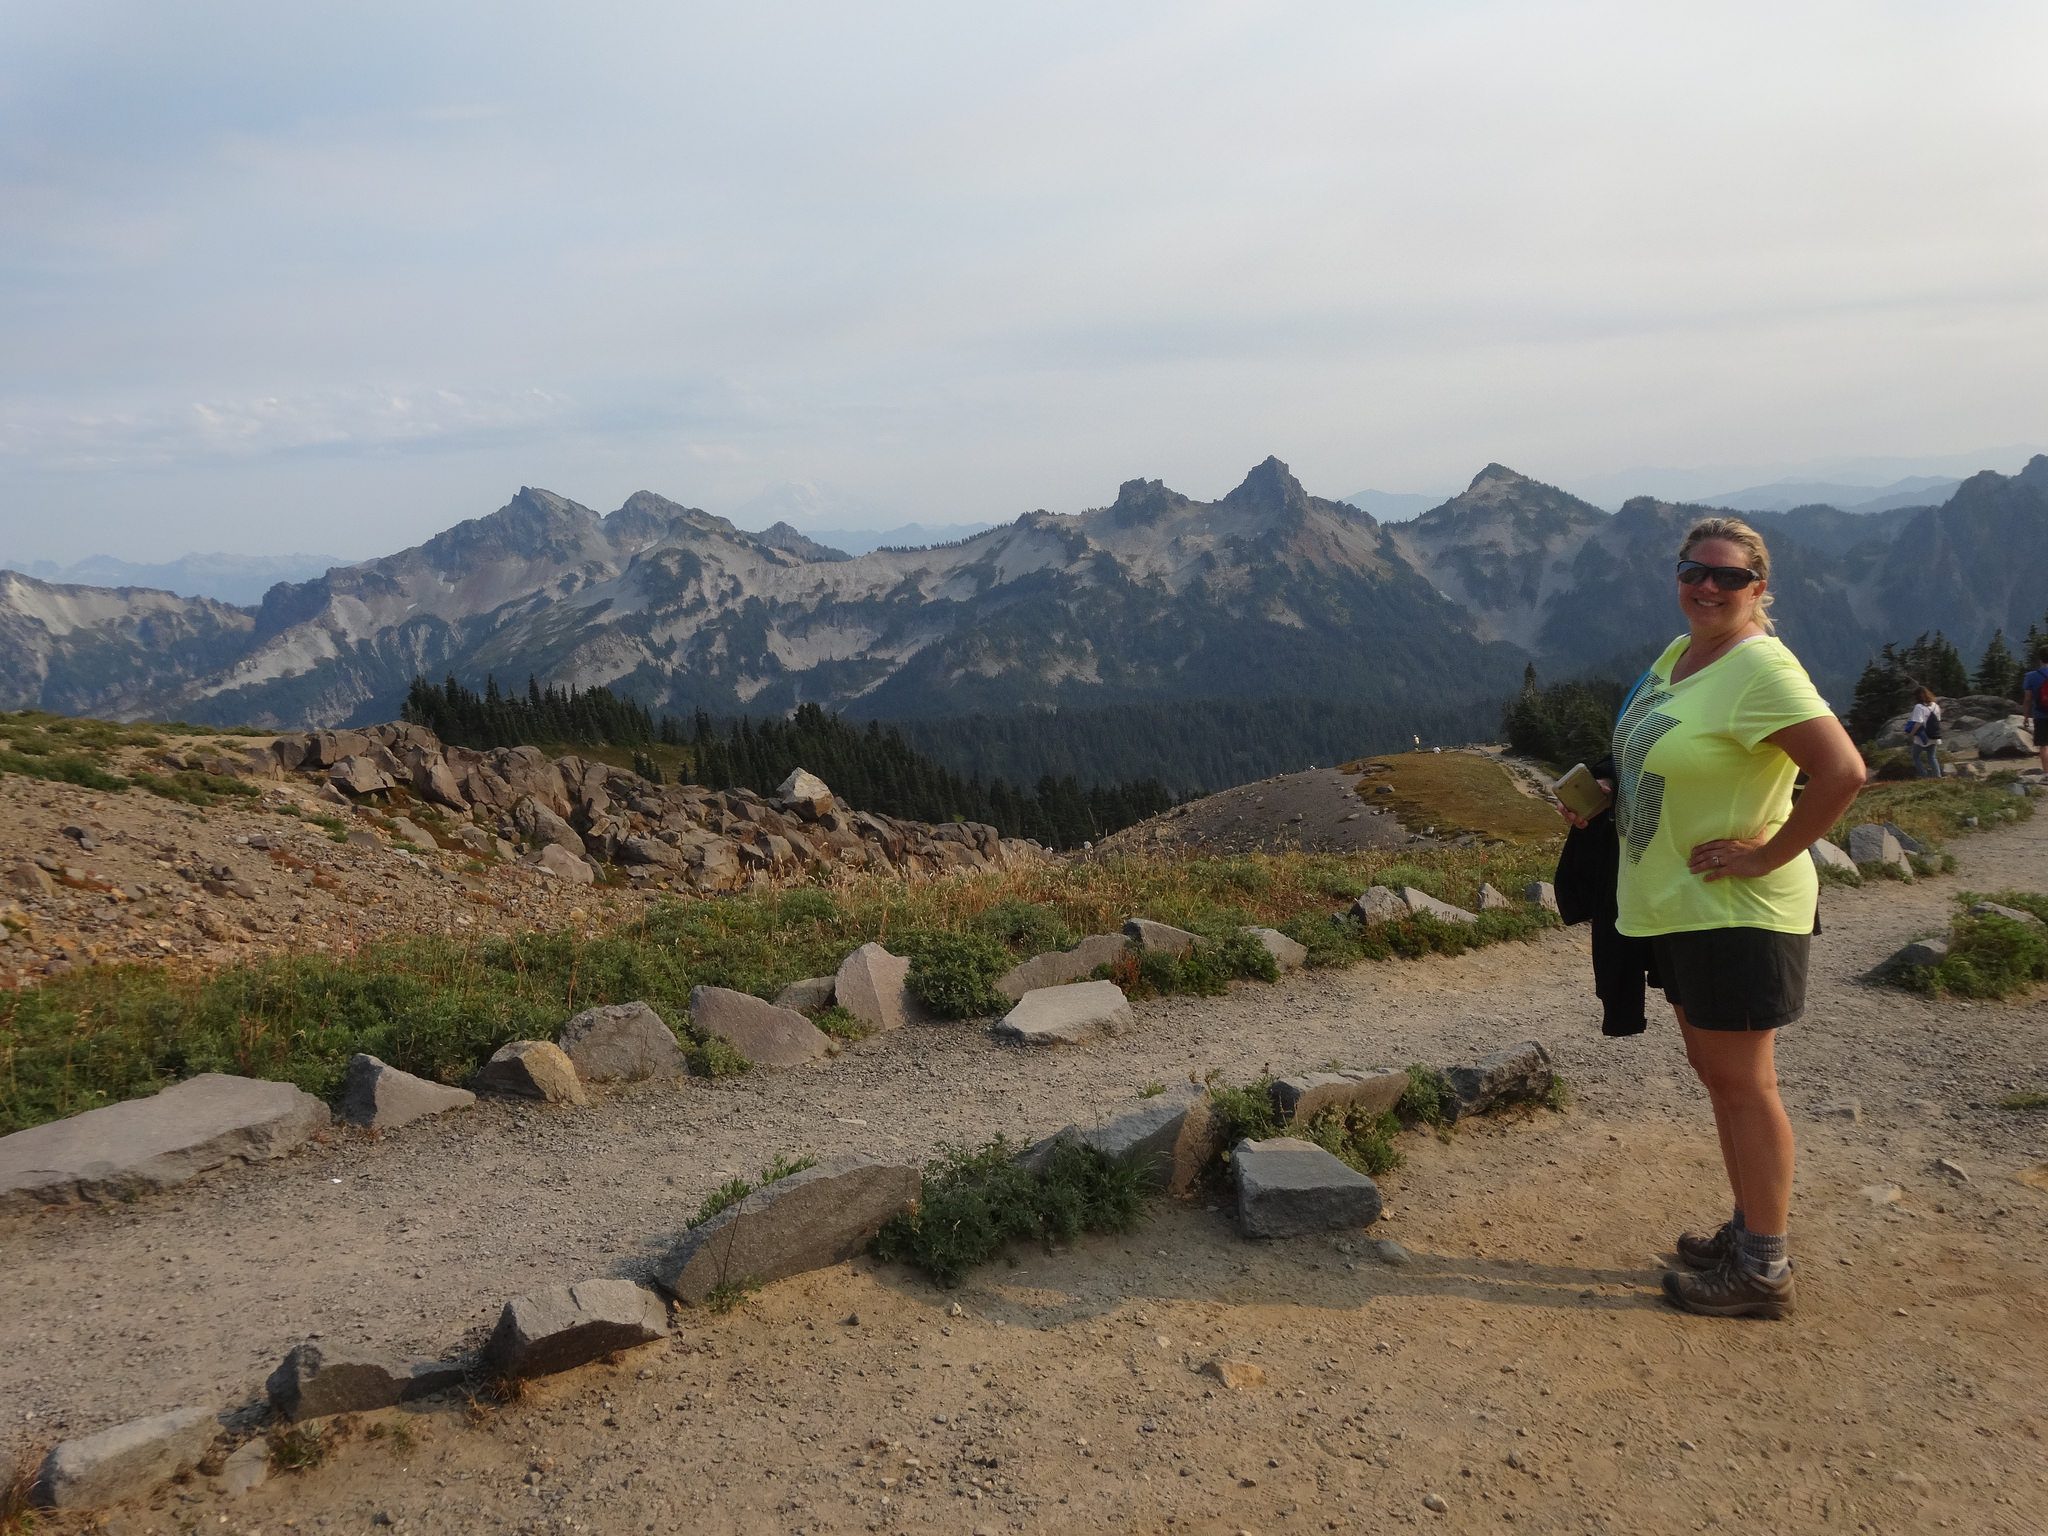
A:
871,768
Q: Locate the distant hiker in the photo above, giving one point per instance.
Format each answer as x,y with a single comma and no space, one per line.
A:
2036,685
1713,870
1923,730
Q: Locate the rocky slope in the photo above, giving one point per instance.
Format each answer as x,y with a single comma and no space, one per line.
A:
1266,593
356,835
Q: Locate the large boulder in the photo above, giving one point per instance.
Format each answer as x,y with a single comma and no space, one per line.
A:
124,1461
1153,1135
620,1043
555,859
809,994
640,849
151,1144
538,823
1921,952
809,1220
1057,967
806,794
532,1069
316,1380
407,830
1164,937
1872,844
1068,1015
1541,893
359,775
766,1035
566,1326
1287,1187
1287,954
870,985
1506,1076
1379,905
379,1097
1827,856
1422,904
1300,1098
2009,737
433,779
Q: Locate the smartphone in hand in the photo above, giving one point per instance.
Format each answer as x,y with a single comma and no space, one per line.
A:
1581,793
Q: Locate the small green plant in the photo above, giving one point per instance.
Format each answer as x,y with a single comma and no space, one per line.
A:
716,1058
736,1189
1151,1090
63,768
1363,1141
842,1025
1026,927
728,1295
190,786
296,1449
1428,1098
17,1494
1558,1096
1988,956
730,1193
1836,874
954,974
976,1201
2030,1099
806,906
1248,1112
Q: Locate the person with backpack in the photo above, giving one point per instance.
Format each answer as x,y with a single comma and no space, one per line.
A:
1923,730
2036,685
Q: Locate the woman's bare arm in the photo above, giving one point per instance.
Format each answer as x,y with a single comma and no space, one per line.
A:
1834,773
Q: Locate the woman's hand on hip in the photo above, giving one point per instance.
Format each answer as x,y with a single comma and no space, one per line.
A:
1731,858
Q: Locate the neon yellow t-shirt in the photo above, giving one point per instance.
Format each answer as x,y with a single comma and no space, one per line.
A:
1691,765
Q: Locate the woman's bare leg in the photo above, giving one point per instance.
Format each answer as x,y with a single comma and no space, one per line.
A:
1739,1070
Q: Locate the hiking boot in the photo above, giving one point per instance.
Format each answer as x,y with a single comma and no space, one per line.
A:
1710,1251
1731,1291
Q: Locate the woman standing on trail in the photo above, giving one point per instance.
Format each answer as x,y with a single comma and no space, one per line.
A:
1714,872
1923,730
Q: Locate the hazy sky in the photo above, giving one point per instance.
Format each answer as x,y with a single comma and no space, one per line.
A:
331,277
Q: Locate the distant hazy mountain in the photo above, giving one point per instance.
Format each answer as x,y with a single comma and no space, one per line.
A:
1266,594
1784,495
240,579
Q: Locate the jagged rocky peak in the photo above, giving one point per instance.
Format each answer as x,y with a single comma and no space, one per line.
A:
1142,502
1270,487
793,541
1499,494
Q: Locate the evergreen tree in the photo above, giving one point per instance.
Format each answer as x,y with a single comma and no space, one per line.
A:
1881,692
1998,674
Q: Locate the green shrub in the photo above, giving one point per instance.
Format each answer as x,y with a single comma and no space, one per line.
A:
192,787
1428,1098
808,906
975,1202
716,1058
1026,927
1988,957
63,768
842,1025
954,974
736,1189
1361,1140
1248,1112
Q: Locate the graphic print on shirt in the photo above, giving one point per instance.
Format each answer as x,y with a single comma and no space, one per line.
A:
1639,798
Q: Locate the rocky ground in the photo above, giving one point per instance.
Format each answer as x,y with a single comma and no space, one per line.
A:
1519,1368
340,841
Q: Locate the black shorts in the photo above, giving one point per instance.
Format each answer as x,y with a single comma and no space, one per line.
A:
1733,978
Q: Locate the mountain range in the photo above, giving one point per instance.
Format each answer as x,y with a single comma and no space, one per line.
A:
1266,593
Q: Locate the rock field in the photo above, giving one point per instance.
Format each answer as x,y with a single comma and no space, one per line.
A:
356,835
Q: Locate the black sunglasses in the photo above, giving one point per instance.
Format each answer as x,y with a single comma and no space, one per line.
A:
1729,578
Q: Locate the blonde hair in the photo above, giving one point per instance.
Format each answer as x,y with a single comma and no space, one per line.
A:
1736,531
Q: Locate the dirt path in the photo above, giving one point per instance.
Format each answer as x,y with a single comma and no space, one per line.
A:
1907,1395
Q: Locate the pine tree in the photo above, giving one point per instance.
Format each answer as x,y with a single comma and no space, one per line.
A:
1998,675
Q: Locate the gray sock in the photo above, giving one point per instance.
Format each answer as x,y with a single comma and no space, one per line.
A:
1762,1255
1736,1223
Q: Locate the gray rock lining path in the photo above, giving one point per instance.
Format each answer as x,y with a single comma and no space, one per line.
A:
157,1143
421,1238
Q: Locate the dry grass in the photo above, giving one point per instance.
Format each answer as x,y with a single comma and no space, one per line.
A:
1456,792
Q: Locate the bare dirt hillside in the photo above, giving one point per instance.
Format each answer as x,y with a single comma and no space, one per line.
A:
1520,1368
